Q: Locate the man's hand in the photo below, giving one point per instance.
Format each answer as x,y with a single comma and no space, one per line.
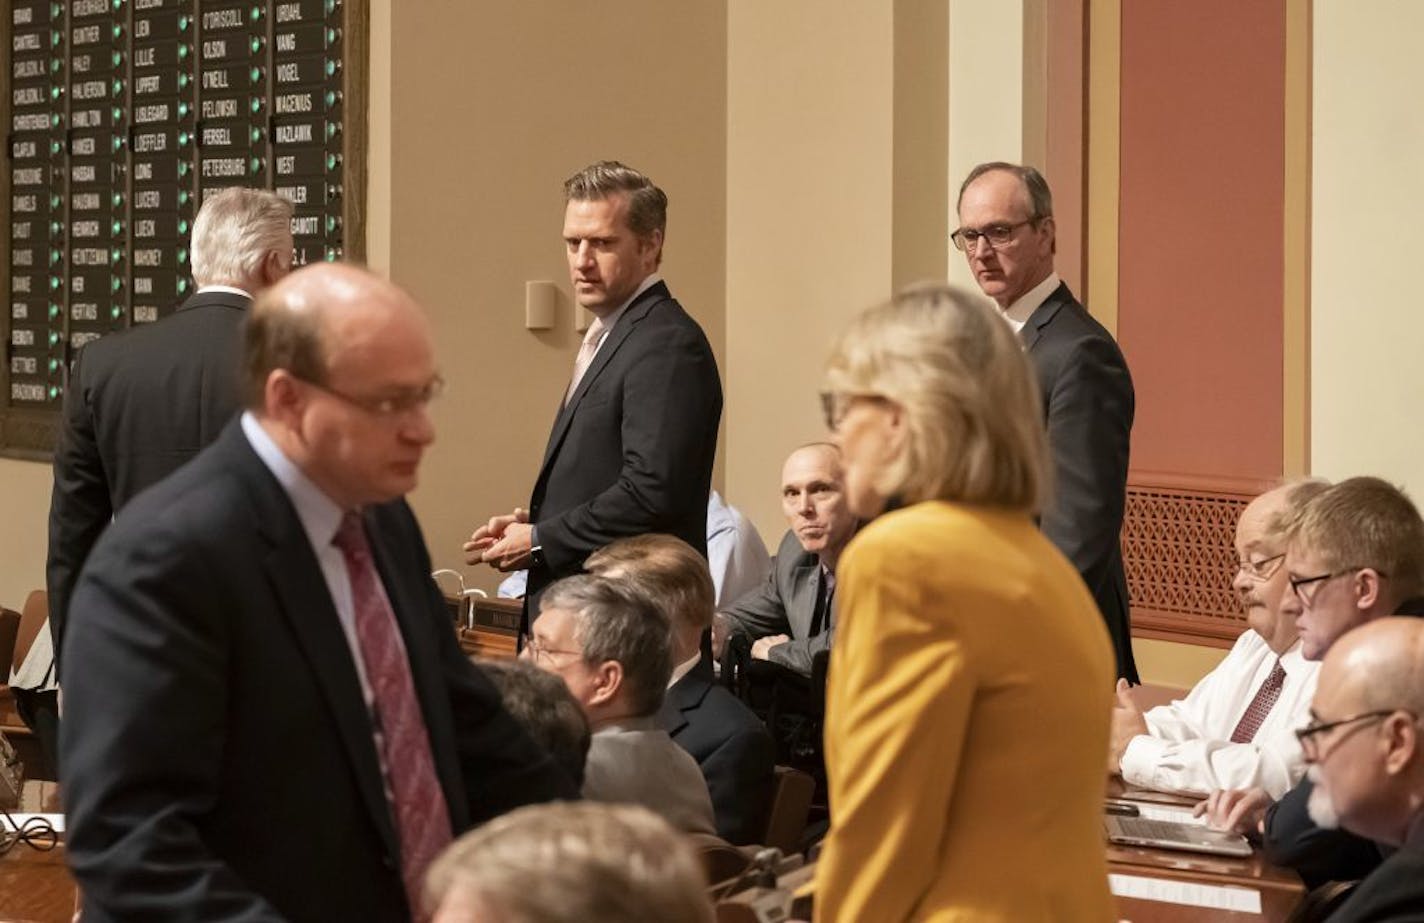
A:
761,648
1240,810
513,550
721,629
1127,723
486,536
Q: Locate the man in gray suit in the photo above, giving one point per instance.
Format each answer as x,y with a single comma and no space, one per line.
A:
1007,234
792,616
614,651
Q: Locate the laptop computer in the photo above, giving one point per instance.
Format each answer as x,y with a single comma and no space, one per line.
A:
1139,831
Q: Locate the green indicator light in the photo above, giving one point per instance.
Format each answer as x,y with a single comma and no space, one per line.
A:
118,86
255,74
116,283
182,52
54,310
182,23
118,114
118,4
182,197
182,286
118,227
54,365
331,97
331,254
55,65
255,166
182,139
331,6
183,168
331,68
182,225
54,200
331,222
256,13
55,228
182,110
117,143
53,337
118,199
117,311
331,35
256,44
256,134
117,57
182,254
55,147
115,255
54,283
55,9
53,257
55,38
54,92
331,129
256,104
331,161
182,81
118,30
54,120
53,391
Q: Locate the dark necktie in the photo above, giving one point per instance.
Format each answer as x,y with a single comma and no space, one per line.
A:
421,814
821,619
1260,706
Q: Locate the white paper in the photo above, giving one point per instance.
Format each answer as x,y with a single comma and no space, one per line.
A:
55,820
1191,894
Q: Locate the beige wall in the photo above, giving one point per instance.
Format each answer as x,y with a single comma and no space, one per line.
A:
24,525
1366,325
491,107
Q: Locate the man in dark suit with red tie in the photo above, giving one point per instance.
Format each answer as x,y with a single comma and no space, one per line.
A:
633,441
267,714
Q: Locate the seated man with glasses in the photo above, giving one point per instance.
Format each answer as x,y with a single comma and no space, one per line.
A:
1355,554
1365,747
613,649
1235,729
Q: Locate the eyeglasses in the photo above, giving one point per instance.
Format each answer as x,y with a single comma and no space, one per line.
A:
997,235
1310,745
537,651
1307,596
1262,569
391,406
836,404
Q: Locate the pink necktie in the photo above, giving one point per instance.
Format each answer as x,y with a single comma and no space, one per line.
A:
1260,706
421,814
591,339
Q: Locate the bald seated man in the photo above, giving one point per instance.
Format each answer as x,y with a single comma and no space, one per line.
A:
1236,728
792,616
1366,752
270,606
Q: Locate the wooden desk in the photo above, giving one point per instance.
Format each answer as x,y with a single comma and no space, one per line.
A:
490,629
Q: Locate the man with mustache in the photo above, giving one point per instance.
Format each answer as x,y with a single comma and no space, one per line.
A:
1236,728
792,616
1354,555
1366,755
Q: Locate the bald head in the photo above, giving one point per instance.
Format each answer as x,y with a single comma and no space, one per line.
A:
339,366
1368,766
813,499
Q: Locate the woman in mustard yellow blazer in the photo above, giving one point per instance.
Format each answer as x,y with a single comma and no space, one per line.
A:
971,684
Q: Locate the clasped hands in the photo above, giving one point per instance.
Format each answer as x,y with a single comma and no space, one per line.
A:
504,543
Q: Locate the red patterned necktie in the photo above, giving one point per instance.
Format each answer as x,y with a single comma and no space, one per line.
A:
421,814
1260,706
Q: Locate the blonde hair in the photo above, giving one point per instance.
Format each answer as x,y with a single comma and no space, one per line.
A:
665,569
1365,522
574,862
974,428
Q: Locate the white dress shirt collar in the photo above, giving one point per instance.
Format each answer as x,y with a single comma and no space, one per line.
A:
230,289
1018,313
319,514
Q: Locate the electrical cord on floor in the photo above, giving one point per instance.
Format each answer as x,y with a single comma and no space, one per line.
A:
36,832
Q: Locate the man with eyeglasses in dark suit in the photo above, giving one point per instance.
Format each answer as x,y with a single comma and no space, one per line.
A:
1007,233
1355,554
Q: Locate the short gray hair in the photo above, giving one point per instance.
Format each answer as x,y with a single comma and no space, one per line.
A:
234,231
543,705
571,862
1039,196
612,623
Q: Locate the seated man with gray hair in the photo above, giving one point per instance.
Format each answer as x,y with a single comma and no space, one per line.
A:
612,647
570,863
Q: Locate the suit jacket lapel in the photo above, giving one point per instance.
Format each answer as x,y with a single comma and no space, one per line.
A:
301,595
1043,315
800,608
611,341
686,695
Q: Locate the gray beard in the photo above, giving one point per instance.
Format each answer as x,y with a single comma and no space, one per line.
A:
1320,808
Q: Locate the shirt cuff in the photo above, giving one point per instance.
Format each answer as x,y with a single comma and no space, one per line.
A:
1141,758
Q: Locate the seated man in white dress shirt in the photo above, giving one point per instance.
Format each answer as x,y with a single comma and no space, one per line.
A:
1236,727
613,648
